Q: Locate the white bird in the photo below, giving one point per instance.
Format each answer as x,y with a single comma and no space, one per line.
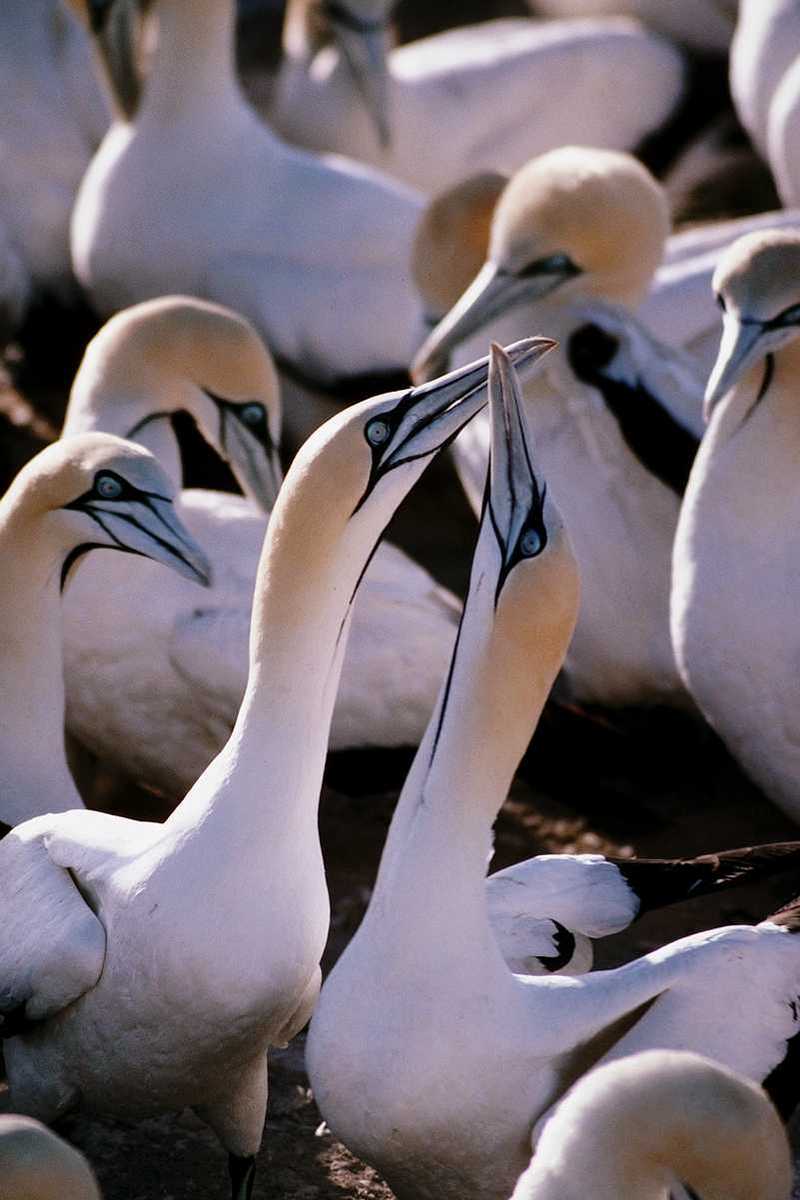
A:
734,592
428,1057
705,25
195,194
639,1128
93,491
150,967
155,674
47,138
616,414
763,48
523,86
35,1164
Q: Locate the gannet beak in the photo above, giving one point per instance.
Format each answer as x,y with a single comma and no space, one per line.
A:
516,494
247,445
114,24
426,418
492,292
363,47
740,348
146,523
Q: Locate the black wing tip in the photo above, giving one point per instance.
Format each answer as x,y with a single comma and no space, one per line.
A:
659,882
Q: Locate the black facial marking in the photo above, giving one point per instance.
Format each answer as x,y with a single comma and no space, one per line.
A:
251,415
553,264
785,319
564,942
340,14
447,687
392,418
127,492
133,433
4,829
77,552
98,11
662,445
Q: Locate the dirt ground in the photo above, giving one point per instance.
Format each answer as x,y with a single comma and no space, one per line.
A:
647,783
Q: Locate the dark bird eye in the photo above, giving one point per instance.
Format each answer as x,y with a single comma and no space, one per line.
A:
530,544
252,414
377,432
107,487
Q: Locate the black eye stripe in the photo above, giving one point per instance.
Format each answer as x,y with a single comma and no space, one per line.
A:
341,15
552,264
259,429
128,492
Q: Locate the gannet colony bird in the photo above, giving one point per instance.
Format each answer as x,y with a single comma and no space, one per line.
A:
764,46
639,1128
475,98
155,674
35,1164
705,25
150,967
616,414
734,593
90,492
47,137
195,194
427,1056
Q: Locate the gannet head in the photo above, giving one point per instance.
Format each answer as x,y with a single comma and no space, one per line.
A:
452,240
359,30
181,354
35,1162
114,25
351,474
524,547
573,222
757,283
96,490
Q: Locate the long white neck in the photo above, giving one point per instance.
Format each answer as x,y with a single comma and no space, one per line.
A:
194,64
34,777
484,717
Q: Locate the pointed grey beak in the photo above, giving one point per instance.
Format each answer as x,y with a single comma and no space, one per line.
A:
739,350
492,293
254,462
426,418
152,528
115,25
363,47
516,493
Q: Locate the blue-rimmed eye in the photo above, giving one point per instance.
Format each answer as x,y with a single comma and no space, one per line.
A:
377,432
556,262
252,414
530,543
108,487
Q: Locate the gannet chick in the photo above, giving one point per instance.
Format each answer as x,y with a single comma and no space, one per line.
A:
149,967
639,1128
528,87
93,491
35,1164
154,678
575,239
734,594
313,251
428,1057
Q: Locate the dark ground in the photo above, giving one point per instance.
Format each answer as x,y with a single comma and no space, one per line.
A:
649,783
